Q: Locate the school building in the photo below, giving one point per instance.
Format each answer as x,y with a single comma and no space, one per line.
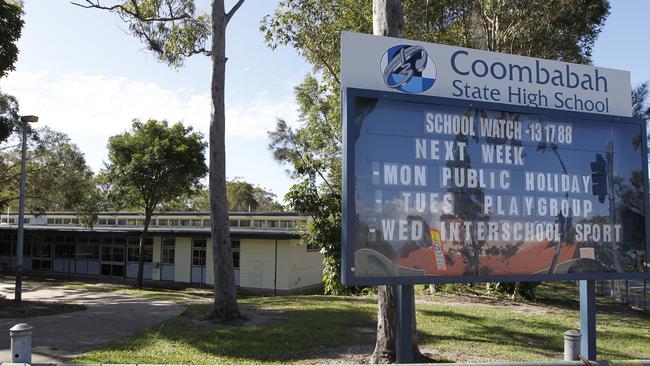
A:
267,253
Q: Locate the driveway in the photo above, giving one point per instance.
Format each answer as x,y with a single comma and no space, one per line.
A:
109,316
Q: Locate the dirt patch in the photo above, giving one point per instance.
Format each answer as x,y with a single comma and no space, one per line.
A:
454,357
347,355
252,317
9,309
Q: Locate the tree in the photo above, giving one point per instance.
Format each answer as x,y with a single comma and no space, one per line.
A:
266,200
195,200
152,163
9,118
49,154
640,104
173,31
241,195
11,26
313,27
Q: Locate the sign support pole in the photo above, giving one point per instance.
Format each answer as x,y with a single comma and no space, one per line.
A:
588,319
405,308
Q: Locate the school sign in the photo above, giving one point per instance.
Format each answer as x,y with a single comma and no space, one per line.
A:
464,165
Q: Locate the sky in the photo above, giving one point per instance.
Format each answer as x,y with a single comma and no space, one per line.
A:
82,73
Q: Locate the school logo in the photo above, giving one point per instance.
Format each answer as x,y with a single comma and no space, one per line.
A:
408,68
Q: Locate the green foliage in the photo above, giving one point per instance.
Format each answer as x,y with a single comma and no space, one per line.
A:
266,200
640,103
58,178
241,196
313,150
527,28
514,289
9,118
154,162
172,29
11,26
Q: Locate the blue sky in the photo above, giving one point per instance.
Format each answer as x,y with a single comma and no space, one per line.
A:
84,75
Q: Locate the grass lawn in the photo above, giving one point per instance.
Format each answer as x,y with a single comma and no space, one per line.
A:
307,329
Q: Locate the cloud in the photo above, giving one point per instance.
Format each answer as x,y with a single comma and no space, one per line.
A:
82,104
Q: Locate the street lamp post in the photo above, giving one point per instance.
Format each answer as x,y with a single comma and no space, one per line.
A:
21,208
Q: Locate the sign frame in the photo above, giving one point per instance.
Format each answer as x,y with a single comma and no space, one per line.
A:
349,97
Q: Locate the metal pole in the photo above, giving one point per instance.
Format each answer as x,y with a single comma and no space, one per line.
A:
588,319
21,218
404,323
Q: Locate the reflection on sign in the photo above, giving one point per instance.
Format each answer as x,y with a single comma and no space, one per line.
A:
458,191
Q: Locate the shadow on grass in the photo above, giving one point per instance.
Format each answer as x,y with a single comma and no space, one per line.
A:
300,330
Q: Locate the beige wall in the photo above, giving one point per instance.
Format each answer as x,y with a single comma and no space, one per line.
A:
305,267
209,265
183,259
257,264
296,267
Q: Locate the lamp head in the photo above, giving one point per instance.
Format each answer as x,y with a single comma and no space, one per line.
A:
29,119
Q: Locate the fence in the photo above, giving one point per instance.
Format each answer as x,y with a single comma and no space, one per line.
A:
633,292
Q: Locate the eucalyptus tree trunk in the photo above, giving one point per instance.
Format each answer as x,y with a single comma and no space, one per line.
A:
225,296
388,20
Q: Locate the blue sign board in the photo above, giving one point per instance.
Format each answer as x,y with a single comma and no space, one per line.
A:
443,190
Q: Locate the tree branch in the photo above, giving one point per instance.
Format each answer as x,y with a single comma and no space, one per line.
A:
136,14
233,10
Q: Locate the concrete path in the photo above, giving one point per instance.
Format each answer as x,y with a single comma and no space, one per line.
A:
109,316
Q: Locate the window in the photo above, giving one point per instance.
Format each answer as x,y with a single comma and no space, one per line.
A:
66,221
121,222
50,221
206,223
244,223
273,223
58,221
75,221
64,250
168,250
101,221
85,251
119,240
107,240
173,222
196,222
198,252
259,223
131,222
133,254
236,249
185,222
5,244
233,223
26,220
140,222
110,221
286,224
163,222
42,250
